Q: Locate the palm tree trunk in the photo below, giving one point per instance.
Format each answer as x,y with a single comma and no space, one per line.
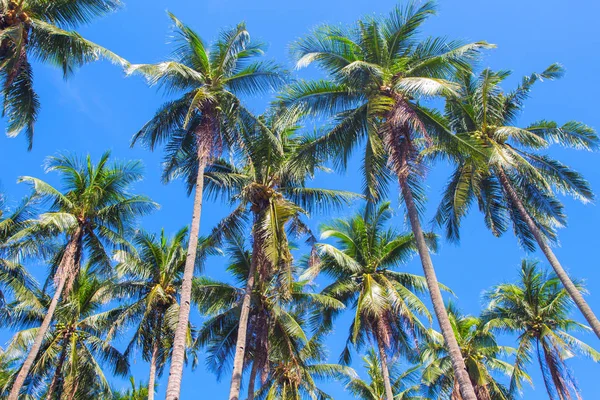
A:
240,346
575,294
153,360
178,356
458,363
58,372
252,381
389,393
67,265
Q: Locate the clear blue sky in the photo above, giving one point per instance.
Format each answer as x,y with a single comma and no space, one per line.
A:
100,109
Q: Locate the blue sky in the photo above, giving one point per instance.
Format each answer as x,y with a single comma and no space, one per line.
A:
100,109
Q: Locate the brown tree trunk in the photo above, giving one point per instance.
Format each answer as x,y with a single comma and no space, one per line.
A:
177,359
575,294
66,267
153,361
58,372
458,363
252,381
387,383
240,347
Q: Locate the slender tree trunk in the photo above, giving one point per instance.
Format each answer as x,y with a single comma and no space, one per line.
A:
458,363
67,265
153,361
58,372
177,359
558,269
240,347
252,381
389,393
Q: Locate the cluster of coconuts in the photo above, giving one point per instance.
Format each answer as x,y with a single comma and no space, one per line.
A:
14,15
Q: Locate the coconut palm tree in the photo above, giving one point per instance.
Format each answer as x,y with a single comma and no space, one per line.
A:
275,321
203,122
269,189
135,392
14,277
70,360
537,310
91,212
43,30
150,277
406,384
514,182
378,72
482,356
295,378
385,303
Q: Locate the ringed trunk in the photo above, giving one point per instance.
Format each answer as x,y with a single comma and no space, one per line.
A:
178,356
252,381
389,393
67,265
58,371
152,378
458,363
575,294
240,347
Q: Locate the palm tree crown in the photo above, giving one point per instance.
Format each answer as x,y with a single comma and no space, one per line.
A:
537,310
39,29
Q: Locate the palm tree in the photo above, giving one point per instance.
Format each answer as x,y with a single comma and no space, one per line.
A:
385,302
481,353
74,349
41,29
14,277
139,392
275,321
537,310
379,71
295,378
151,278
405,384
270,186
93,211
202,121
515,182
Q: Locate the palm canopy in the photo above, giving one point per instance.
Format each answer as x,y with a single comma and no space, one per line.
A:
483,358
386,303
378,72
537,310
40,30
75,353
14,277
150,277
208,81
94,199
277,316
487,115
406,384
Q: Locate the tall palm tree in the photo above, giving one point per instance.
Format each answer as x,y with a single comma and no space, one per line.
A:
482,355
269,186
70,360
537,310
385,303
202,120
92,212
379,71
275,321
406,384
42,30
151,279
514,182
